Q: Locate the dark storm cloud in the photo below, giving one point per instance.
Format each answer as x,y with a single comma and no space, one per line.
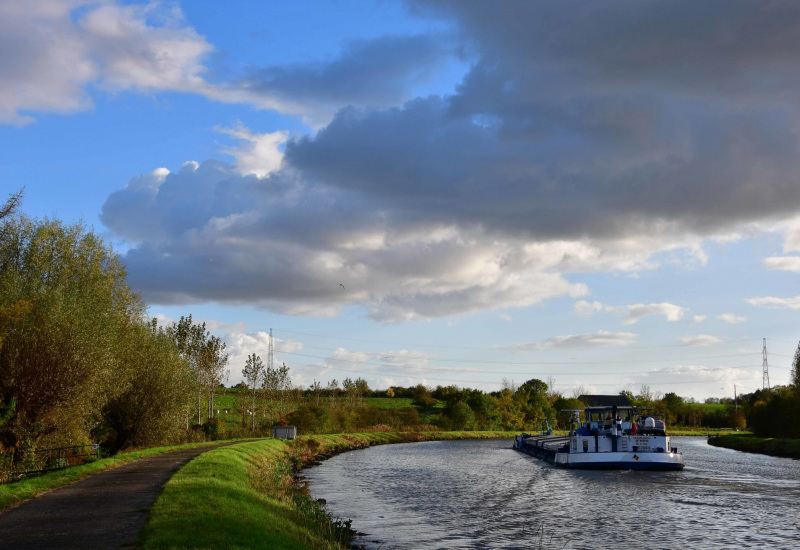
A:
590,118
732,47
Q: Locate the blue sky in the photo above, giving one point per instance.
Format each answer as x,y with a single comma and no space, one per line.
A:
432,192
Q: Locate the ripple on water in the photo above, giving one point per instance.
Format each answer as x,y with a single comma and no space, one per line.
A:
482,494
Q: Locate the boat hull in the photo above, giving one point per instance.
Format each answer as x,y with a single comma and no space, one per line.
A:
554,450
620,461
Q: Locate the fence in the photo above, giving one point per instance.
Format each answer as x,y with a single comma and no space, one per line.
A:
45,460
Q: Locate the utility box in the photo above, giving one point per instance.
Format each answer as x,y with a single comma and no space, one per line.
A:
284,432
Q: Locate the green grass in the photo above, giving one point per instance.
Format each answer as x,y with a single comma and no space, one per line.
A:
236,497
224,400
391,402
773,446
681,430
31,487
212,503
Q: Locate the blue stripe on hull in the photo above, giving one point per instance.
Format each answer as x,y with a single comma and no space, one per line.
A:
623,466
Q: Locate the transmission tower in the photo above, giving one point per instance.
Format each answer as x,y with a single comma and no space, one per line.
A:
269,353
765,384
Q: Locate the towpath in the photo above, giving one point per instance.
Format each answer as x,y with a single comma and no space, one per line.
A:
106,510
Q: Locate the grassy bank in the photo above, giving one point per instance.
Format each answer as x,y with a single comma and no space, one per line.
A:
773,446
243,496
701,431
31,487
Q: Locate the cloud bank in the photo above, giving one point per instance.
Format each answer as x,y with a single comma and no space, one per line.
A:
582,138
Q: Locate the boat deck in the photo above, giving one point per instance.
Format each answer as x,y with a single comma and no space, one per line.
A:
544,446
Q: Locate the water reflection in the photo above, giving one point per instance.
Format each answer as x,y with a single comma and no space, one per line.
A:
482,494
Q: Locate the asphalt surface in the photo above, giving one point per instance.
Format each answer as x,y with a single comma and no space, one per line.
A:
106,510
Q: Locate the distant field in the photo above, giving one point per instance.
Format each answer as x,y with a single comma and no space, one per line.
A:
709,407
390,402
224,400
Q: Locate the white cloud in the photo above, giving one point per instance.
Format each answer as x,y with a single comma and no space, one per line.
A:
731,318
582,307
699,318
672,312
258,154
61,47
784,263
222,327
791,236
290,246
700,340
506,318
599,339
771,301
698,373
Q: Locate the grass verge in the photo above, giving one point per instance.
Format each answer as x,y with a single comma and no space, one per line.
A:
246,495
31,487
773,446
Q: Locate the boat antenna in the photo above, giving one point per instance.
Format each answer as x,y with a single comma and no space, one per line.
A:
765,384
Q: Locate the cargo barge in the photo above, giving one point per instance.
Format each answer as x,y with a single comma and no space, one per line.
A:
609,437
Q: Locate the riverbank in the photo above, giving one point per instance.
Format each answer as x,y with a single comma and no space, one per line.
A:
248,495
773,446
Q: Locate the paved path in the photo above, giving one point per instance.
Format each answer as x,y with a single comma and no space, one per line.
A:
106,510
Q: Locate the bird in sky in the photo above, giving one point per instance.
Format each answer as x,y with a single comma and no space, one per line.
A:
341,285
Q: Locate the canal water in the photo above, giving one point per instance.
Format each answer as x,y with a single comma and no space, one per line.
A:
483,494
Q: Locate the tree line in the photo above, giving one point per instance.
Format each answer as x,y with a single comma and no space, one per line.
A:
775,412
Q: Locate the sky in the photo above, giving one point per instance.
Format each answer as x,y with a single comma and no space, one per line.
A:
461,192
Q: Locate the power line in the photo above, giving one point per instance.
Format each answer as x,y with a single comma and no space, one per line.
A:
483,371
419,345
460,381
501,362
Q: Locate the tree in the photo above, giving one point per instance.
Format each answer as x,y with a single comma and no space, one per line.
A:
565,404
510,409
795,377
11,205
485,407
645,396
253,374
672,407
461,416
354,391
277,385
213,361
65,313
422,396
151,408
284,389
206,357
534,404
316,389
189,339
629,396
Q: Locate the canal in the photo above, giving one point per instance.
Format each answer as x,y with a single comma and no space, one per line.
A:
483,494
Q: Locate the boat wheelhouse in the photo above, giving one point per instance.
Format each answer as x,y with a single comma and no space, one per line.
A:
607,437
